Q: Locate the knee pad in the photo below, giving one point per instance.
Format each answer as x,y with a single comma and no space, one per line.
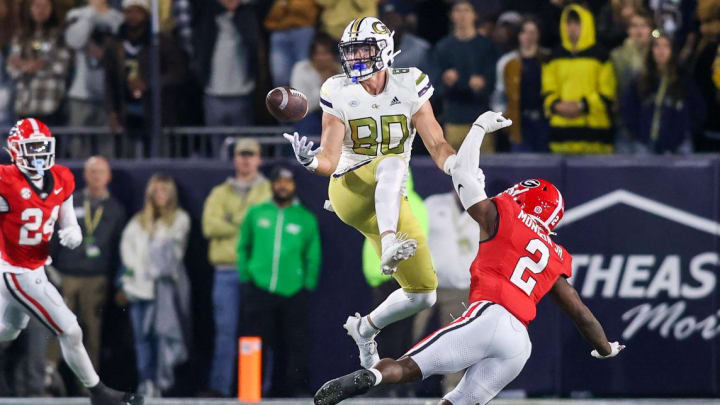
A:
72,336
8,333
422,300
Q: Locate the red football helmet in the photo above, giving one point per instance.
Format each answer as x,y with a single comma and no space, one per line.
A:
541,200
31,145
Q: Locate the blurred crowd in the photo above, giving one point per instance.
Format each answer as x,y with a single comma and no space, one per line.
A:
577,77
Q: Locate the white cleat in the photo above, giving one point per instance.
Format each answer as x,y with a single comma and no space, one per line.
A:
368,347
401,249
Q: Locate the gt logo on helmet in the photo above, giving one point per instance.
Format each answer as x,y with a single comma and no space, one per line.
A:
380,28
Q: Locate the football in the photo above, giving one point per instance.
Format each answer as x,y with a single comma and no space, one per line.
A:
286,104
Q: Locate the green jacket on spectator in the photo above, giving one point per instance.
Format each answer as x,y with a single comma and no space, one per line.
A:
224,211
279,248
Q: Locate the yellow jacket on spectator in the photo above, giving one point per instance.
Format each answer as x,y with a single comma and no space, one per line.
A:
581,73
288,14
224,212
337,14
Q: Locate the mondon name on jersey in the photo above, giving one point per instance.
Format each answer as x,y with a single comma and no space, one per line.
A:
376,125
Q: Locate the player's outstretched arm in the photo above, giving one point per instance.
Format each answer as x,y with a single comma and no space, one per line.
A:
468,178
324,159
567,298
432,136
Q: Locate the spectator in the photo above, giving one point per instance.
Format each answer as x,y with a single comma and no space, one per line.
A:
628,60
176,17
292,25
614,19
86,270
224,212
86,30
155,283
464,66
453,239
7,29
308,75
663,107
678,19
279,262
128,74
415,50
229,52
394,338
182,12
518,90
705,63
39,62
504,34
579,88
337,14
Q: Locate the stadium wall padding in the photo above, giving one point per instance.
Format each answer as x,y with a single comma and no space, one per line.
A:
644,233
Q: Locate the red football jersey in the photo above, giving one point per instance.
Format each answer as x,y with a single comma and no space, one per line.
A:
519,265
28,215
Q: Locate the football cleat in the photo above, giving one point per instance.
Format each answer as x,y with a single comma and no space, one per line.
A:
344,387
103,395
367,346
401,249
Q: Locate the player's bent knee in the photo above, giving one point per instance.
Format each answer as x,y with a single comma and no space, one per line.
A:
8,333
72,336
422,300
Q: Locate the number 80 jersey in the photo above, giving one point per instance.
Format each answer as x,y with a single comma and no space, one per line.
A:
28,215
376,125
518,265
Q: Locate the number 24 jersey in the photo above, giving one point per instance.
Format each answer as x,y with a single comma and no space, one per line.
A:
376,125
28,214
519,264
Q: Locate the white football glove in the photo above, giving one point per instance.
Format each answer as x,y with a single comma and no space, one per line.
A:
491,121
70,237
304,152
615,348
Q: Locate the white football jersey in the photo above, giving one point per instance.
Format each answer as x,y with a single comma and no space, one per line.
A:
376,125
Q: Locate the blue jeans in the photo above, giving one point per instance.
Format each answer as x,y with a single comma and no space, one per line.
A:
145,343
228,110
226,310
287,48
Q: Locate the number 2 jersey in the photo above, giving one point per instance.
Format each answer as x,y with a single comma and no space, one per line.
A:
28,214
517,266
376,125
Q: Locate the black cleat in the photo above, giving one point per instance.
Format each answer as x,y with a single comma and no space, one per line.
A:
344,387
102,395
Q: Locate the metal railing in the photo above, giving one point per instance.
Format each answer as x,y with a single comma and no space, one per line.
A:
173,142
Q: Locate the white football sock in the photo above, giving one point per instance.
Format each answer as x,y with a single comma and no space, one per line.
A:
377,374
389,174
77,358
399,305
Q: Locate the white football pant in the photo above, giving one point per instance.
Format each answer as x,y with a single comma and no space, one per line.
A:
30,293
487,340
